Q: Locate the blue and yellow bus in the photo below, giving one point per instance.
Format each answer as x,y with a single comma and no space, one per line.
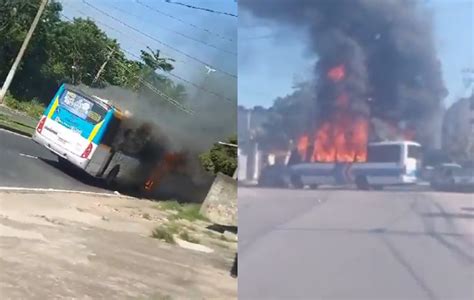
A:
80,129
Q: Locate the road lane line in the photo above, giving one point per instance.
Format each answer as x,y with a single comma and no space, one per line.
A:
14,133
26,190
27,155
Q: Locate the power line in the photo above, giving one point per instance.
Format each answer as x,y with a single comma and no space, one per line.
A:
263,37
169,73
148,84
185,80
183,35
118,31
183,21
201,8
157,91
157,40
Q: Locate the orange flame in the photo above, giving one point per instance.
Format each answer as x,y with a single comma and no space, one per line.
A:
337,73
149,184
303,146
171,162
342,139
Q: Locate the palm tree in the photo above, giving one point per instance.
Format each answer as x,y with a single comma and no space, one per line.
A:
155,62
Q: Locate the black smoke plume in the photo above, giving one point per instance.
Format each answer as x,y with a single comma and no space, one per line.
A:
387,48
154,129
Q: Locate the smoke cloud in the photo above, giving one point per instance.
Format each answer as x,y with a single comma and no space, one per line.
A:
387,49
156,127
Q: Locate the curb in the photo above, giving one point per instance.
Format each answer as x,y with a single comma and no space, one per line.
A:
23,190
247,184
4,127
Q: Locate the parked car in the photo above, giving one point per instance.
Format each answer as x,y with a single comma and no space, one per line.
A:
453,177
463,178
442,176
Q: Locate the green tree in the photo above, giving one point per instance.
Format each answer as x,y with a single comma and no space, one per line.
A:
151,71
155,62
221,158
73,52
77,50
15,19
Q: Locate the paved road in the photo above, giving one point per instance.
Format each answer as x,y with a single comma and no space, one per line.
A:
332,244
23,163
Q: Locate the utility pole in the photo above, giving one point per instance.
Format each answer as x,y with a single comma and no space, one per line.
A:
109,56
14,67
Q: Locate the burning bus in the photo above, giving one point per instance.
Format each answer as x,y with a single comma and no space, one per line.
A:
92,135
346,146
377,78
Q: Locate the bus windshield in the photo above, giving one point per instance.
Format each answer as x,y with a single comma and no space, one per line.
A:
82,107
384,153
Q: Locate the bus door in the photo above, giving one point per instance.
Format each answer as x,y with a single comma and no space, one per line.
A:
412,161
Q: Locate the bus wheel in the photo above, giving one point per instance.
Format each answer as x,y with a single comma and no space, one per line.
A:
64,163
112,176
296,182
361,183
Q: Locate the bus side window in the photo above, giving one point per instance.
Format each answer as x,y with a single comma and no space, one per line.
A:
111,132
414,152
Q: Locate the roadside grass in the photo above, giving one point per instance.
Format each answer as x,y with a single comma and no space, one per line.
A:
32,108
167,233
8,123
20,116
163,233
184,235
186,211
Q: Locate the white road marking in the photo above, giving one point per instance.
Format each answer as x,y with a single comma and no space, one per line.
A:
26,190
14,133
27,155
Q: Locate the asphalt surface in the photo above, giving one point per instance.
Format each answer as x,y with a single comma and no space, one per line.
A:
23,163
336,244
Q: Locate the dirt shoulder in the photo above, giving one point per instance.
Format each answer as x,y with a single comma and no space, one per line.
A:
58,245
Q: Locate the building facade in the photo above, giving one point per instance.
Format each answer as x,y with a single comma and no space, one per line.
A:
458,130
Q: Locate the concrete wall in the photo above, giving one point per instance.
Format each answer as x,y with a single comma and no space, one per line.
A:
220,205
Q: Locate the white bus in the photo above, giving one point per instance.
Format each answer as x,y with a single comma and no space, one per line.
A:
388,163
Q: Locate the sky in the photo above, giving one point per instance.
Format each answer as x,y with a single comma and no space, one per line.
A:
272,58
198,34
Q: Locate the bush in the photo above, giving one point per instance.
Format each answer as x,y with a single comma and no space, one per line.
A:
32,108
186,211
163,233
184,235
221,158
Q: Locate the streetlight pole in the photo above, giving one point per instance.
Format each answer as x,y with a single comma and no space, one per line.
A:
14,67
